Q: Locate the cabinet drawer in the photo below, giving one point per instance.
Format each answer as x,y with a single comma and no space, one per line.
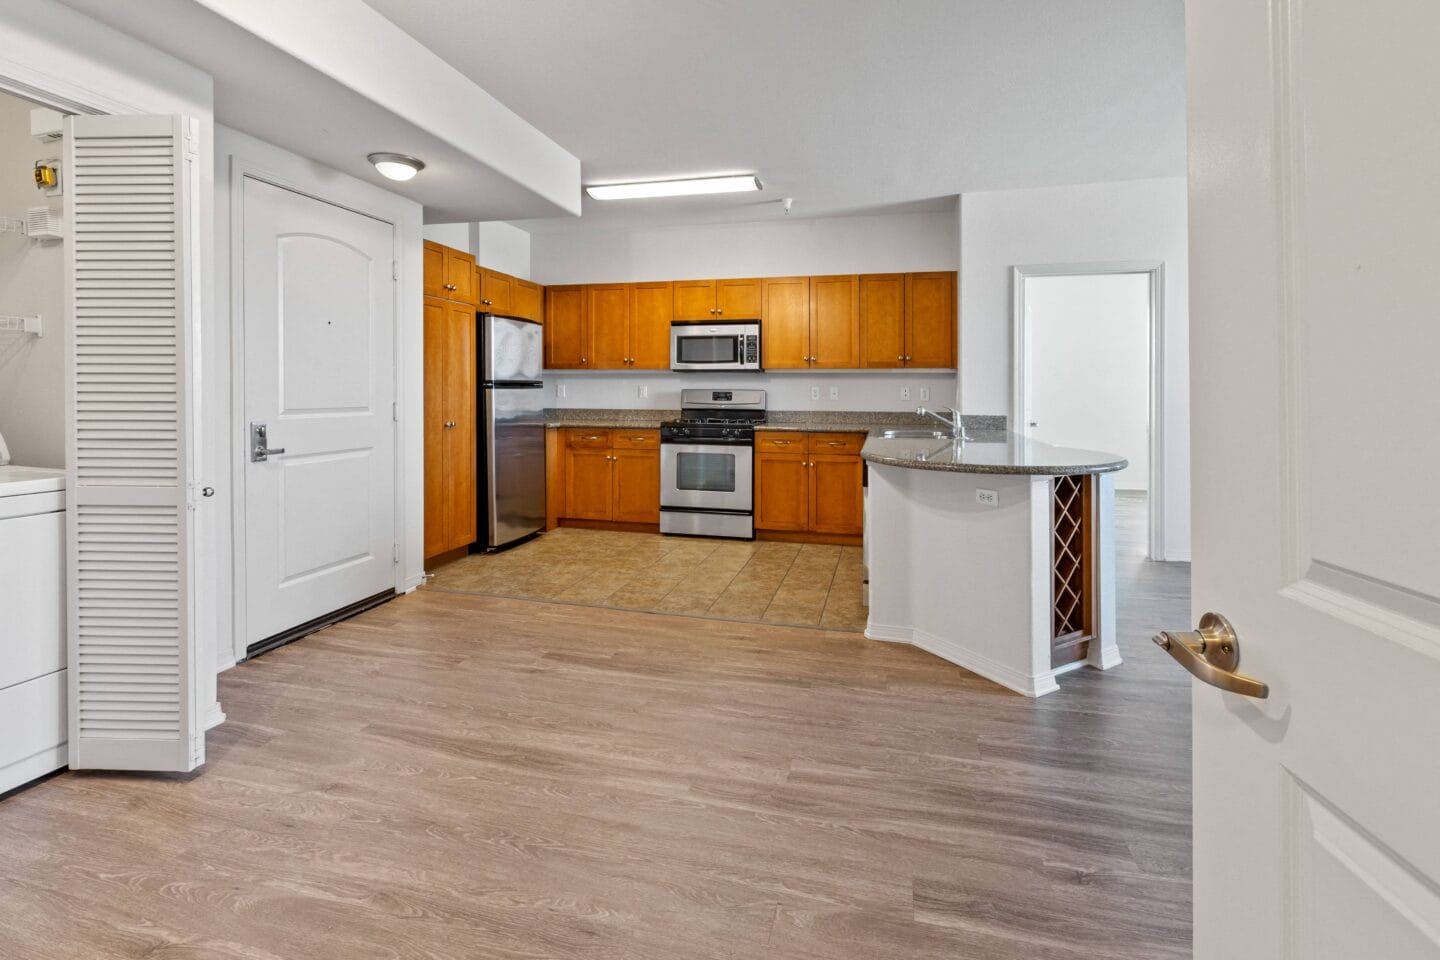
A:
32,729
587,439
776,441
32,596
635,439
835,442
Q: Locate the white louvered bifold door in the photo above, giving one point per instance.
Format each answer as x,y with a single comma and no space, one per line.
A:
132,279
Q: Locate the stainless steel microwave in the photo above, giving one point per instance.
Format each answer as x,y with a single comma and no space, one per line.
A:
715,346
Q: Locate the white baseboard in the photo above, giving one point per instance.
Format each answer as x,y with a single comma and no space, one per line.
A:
1021,683
1103,657
214,716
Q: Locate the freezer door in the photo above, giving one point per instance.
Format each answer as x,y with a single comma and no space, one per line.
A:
513,497
511,350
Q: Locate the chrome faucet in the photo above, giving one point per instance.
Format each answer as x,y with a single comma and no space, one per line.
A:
954,421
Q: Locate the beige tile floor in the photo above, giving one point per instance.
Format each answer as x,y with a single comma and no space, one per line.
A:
806,584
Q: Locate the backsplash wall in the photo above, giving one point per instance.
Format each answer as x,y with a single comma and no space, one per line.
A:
788,390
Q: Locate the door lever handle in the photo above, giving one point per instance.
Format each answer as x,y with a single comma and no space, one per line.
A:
260,449
1211,653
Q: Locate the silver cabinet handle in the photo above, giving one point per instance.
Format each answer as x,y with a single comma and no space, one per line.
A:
260,449
207,492
449,424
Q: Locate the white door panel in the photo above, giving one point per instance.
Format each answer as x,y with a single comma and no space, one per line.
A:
319,317
1314,230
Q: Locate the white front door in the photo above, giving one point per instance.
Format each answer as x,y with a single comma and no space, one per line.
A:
319,325
1314,241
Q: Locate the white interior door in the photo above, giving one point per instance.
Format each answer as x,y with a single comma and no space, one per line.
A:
319,328
1314,239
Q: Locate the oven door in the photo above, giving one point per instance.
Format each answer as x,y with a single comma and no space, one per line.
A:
707,476
706,348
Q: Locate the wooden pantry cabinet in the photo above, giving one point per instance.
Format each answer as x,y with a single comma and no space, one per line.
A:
450,509
809,483
609,476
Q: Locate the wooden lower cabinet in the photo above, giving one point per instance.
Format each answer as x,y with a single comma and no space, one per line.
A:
809,483
610,475
450,508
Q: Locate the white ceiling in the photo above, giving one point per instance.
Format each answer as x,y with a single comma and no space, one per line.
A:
846,105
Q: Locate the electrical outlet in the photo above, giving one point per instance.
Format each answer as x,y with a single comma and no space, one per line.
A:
987,498
905,394
814,393
834,393
642,390
924,394
560,391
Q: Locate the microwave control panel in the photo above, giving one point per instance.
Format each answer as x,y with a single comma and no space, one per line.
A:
752,348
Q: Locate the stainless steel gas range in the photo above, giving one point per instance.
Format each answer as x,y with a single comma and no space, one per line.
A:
707,464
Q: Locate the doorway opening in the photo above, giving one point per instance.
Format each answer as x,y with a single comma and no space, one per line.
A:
1088,372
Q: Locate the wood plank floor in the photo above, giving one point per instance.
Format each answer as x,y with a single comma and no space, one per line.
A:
454,776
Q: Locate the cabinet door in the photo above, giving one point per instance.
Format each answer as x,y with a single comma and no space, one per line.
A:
695,300
459,429
497,291
882,320
459,276
434,284
782,492
835,322
785,322
651,305
636,496
930,321
737,299
589,484
836,497
609,319
529,300
435,348
567,339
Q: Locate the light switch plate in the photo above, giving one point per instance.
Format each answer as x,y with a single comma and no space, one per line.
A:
642,390
987,498
560,391
924,394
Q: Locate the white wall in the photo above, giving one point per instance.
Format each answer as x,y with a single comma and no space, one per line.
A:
32,371
460,236
1090,337
495,244
776,247
1131,220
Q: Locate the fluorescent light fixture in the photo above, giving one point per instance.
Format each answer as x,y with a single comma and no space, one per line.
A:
674,188
396,166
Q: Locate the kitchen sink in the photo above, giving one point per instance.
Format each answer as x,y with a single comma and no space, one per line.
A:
916,434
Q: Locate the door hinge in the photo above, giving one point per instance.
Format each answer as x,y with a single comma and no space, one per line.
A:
394,269
394,553
394,411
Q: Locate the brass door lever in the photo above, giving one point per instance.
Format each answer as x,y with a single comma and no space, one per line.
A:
1211,653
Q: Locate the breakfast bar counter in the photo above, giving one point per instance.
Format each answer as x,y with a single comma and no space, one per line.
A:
995,553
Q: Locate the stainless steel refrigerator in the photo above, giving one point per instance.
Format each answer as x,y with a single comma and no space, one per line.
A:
511,452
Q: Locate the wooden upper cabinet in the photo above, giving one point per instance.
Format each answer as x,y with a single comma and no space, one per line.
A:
459,273
434,284
529,301
785,322
738,299
497,291
835,321
882,320
651,310
694,299
930,319
608,314
567,330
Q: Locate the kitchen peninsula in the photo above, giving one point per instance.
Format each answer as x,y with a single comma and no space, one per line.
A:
996,553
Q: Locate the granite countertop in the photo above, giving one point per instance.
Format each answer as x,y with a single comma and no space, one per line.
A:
989,452
800,421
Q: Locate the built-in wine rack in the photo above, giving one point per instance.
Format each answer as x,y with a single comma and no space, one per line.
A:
1070,570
